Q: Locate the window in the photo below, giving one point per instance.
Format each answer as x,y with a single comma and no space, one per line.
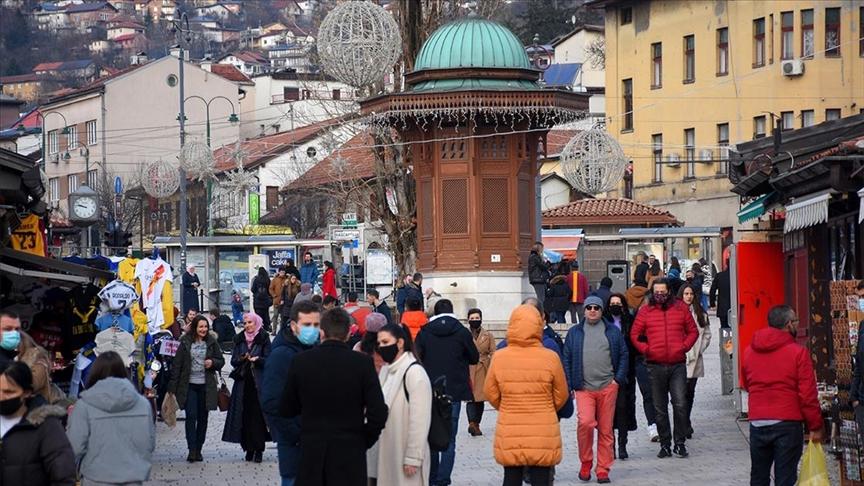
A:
758,126
808,118
832,32
72,181
657,152
689,58
787,120
656,65
91,179
723,143
53,142
832,114
627,95
290,94
759,42
71,137
337,94
723,51
807,35
272,198
626,16
690,152
54,188
787,34
92,138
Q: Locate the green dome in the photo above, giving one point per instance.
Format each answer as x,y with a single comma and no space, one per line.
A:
472,42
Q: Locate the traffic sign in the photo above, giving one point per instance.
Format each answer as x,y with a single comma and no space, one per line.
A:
349,220
344,234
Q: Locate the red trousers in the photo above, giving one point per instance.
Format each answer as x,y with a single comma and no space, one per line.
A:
595,409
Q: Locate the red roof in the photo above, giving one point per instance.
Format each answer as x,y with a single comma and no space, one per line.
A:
126,37
249,56
230,73
19,78
126,25
354,160
261,149
557,139
47,66
606,211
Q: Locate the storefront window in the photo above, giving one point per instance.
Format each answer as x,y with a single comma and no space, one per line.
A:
234,276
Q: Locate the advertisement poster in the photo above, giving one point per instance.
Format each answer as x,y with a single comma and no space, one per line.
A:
279,257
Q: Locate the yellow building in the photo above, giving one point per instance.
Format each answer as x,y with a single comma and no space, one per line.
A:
684,78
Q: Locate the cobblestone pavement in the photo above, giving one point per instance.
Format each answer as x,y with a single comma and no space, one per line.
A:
719,453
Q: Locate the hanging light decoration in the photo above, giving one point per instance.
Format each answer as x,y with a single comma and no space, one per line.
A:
239,179
197,159
160,179
358,43
593,162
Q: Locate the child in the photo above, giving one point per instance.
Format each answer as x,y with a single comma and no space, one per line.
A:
237,307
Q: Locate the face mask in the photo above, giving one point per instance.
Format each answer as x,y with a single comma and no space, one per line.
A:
10,341
388,353
308,335
10,406
475,324
661,298
616,310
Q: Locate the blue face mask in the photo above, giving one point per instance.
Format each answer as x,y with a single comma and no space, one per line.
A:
308,335
11,340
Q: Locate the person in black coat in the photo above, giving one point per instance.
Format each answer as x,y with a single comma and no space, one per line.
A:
336,393
604,291
617,313
261,299
446,348
538,271
35,451
558,299
245,421
720,296
190,290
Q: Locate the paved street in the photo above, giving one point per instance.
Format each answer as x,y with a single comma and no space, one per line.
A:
719,450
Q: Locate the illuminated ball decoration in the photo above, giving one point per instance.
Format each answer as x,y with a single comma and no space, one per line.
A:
160,179
197,159
358,43
593,162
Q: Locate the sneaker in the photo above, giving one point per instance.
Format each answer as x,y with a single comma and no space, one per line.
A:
585,472
680,450
603,478
652,433
622,452
664,452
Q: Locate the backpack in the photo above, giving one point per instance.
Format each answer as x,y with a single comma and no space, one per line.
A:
442,412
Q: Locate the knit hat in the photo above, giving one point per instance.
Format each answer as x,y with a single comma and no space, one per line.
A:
375,321
594,300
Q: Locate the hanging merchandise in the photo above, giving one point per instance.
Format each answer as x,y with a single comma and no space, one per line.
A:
126,269
118,296
83,361
153,274
29,236
122,321
46,327
117,340
80,330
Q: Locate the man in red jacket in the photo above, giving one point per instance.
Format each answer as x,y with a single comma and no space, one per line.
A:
663,332
778,375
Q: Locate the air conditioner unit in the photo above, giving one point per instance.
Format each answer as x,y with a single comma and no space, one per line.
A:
705,156
54,158
673,160
794,67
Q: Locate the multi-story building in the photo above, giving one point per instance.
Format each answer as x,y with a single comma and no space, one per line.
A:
83,16
686,79
23,86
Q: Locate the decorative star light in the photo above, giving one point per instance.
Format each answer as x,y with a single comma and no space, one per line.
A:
160,179
593,162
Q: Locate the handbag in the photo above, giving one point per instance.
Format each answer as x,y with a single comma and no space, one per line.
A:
223,398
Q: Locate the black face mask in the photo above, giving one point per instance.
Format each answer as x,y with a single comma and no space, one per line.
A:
616,310
388,353
475,324
10,406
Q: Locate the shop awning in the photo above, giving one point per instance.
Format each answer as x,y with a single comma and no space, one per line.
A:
861,205
26,265
755,208
807,212
563,241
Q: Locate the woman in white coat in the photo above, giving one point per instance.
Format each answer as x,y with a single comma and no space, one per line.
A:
695,366
402,454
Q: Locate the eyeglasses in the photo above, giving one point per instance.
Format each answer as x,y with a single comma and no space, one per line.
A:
593,308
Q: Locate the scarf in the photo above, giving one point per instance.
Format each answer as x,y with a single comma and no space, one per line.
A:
250,336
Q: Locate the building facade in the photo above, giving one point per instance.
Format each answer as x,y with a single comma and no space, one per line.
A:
686,79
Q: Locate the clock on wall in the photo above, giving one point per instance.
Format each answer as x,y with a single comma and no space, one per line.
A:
83,206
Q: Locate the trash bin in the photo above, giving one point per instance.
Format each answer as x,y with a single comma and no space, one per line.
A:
727,362
619,272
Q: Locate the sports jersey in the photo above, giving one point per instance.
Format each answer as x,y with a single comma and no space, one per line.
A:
152,275
118,296
107,321
126,269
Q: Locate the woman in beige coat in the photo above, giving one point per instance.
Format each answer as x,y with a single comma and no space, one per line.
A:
485,343
695,366
401,455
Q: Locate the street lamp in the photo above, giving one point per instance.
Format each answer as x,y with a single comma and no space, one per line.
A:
64,131
232,119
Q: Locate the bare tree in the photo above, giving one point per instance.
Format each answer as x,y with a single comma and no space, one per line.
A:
595,53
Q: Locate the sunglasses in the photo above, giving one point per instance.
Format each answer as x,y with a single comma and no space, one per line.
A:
593,308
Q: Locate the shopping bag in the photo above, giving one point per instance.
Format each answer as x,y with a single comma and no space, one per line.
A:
224,396
169,410
813,469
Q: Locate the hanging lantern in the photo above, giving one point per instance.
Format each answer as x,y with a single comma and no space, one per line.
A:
593,162
197,158
358,43
160,179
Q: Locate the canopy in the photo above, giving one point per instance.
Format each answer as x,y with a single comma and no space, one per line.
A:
807,212
26,265
562,242
755,208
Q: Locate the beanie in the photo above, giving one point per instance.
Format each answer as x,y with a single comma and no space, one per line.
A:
594,300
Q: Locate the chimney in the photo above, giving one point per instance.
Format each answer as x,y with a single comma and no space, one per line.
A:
175,52
139,58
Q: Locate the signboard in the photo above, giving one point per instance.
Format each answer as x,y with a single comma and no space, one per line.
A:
379,267
254,208
118,185
344,234
279,257
256,261
349,220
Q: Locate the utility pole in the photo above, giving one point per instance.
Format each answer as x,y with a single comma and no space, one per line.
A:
88,237
182,27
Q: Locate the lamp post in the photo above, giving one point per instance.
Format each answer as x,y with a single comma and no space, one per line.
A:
65,131
182,27
231,118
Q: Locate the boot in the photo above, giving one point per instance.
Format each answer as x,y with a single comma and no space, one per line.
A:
258,456
622,451
249,455
191,456
474,429
198,456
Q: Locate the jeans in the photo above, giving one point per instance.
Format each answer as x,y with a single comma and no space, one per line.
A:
670,381
196,416
576,312
558,317
539,476
289,459
442,461
595,409
691,394
644,381
540,290
474,410
780,444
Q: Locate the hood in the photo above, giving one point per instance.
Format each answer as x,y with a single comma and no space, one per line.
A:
770,339
38,414
526,327
111,395
444,325
558,279
637,291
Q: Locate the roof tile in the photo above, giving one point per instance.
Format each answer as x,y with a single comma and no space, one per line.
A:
606,211
230,73
355,159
